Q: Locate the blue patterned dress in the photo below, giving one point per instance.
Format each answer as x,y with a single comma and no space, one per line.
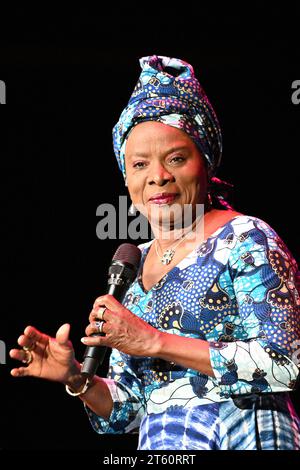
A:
237,291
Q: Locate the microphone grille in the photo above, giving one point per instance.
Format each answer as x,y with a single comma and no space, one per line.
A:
128,253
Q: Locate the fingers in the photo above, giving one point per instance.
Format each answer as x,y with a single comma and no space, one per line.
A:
30,337
33,334
95,341
62,335
20,372
18,354
105,307
26,342
96,328
109,302
92,316
99,313
112,311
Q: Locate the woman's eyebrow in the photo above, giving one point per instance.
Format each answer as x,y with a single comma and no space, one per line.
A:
170,150
177,148
139,154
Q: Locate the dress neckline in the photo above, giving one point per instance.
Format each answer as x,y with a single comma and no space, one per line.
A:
190,254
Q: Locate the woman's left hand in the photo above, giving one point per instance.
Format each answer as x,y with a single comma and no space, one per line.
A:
123,330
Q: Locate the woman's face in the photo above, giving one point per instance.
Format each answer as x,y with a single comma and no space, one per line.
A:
164,169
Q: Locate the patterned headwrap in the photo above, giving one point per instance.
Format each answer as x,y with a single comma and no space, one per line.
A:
168,92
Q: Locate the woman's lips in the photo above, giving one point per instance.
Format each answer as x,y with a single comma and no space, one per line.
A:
163,198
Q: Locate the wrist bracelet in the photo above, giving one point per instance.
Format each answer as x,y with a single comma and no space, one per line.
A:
82,391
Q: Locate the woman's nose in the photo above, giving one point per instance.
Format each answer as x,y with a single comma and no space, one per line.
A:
160,175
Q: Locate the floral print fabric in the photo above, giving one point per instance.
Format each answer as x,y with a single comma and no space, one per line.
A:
237,291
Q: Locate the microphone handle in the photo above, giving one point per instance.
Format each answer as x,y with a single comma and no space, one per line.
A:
94,355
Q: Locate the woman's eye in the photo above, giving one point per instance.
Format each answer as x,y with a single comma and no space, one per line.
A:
139,165
177,159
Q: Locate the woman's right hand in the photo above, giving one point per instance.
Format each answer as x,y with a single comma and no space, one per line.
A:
52,358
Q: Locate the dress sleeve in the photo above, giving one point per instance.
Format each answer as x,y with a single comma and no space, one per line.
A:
128,399
266,359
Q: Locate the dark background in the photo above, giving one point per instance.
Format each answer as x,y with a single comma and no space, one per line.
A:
71,73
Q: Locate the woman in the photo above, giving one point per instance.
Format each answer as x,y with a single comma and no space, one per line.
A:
203,347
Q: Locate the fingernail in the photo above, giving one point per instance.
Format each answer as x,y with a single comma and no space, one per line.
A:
83,340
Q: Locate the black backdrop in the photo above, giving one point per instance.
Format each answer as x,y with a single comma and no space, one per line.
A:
71,73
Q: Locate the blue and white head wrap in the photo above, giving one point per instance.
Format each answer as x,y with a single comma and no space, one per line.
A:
168,92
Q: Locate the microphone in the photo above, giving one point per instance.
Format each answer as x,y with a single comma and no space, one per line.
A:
121,274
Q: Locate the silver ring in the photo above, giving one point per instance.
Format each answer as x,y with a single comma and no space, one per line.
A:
100,313
99,325
29,348
29,357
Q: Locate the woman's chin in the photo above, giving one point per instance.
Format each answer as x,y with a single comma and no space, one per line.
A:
172,216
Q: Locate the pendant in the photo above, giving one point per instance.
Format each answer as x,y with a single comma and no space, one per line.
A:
167,256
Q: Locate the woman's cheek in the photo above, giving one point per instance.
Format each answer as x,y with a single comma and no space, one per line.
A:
136,194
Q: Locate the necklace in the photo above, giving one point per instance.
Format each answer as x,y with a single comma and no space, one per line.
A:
168,255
